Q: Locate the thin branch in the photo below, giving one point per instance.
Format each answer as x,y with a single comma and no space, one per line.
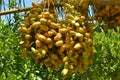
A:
15,10
23,9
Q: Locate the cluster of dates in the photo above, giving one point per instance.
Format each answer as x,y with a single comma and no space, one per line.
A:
107,12
54,42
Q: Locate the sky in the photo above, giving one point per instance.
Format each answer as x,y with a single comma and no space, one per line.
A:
28,3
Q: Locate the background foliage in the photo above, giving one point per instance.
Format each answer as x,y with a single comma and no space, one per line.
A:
14,67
